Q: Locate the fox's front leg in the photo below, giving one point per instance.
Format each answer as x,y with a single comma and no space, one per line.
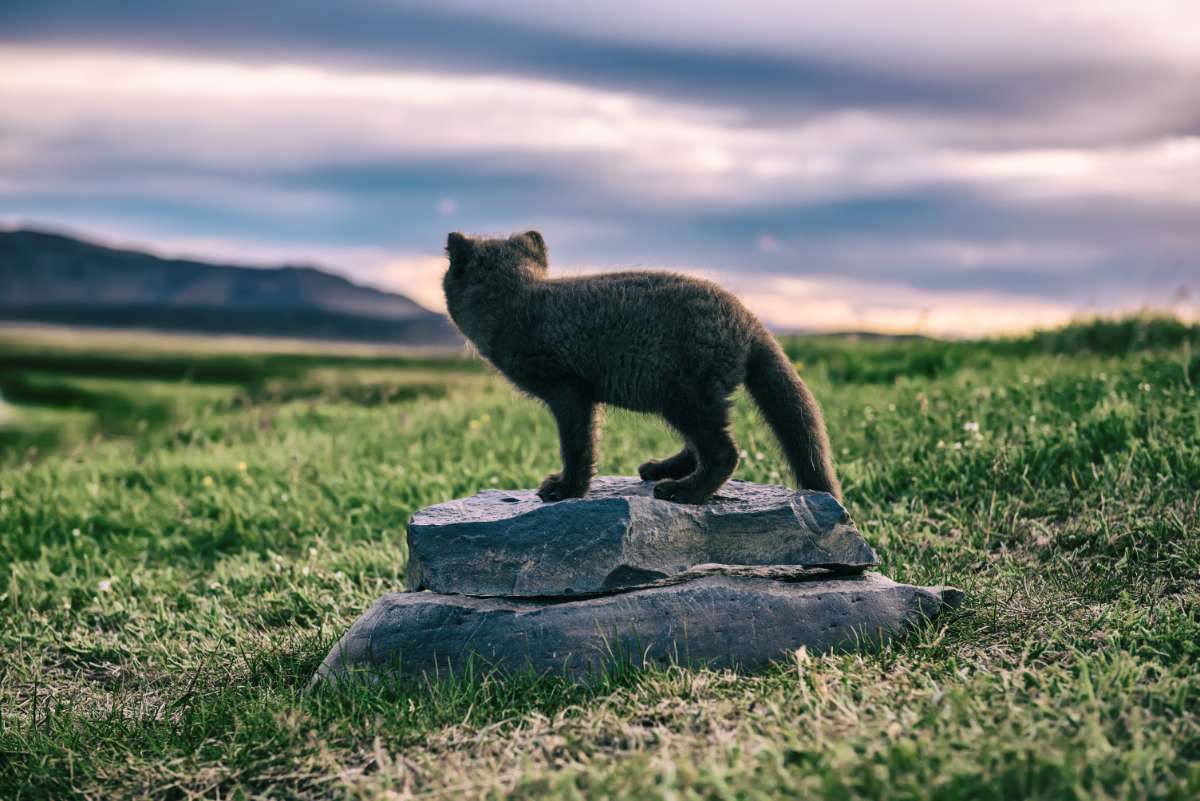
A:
577,416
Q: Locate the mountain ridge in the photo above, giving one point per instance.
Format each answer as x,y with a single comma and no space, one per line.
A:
55,278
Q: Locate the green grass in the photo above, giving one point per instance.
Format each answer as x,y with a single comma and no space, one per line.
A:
168,589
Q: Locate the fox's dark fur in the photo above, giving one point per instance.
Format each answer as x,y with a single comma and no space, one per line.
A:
647,341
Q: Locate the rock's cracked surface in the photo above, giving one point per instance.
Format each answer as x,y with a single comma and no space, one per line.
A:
739,618
510,543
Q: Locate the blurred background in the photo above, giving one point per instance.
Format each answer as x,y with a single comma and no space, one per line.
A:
915,168
921,166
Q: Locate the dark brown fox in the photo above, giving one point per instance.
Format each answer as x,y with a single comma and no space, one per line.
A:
647,341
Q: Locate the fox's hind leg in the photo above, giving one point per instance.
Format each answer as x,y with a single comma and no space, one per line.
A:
680,465
705,426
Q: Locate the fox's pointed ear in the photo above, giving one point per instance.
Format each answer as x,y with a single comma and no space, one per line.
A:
537,244
459,247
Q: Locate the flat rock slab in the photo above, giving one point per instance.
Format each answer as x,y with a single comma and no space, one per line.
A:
511,543
720,620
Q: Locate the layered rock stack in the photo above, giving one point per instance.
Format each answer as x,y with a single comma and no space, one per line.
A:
504,581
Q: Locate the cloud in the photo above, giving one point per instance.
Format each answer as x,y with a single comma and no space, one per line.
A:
216,115
1164,171
766,58
835,304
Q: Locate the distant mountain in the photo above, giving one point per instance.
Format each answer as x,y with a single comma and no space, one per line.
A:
58,279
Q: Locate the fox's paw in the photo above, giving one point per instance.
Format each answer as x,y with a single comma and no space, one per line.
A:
554,488
680,492
653,470
681,465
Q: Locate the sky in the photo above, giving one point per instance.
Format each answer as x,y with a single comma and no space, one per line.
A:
912,166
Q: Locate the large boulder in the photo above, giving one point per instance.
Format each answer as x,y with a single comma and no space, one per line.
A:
510,543
716,616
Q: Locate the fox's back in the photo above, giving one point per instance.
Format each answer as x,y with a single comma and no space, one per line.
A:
637,337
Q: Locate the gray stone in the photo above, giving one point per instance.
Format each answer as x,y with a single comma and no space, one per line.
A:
719,618
510,543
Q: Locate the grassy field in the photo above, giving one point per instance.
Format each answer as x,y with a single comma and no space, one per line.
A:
184,533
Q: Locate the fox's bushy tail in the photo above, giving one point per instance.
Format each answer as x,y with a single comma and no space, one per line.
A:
793,414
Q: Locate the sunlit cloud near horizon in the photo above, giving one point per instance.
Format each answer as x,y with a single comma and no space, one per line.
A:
925,167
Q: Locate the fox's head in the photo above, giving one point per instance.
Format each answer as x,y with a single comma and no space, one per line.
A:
481,259
484,275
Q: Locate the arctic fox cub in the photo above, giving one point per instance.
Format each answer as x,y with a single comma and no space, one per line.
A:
648,341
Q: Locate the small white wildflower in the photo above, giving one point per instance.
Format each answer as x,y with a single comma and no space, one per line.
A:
339,575
306,570
971,426
891,407
312,551
759,456
104,586
283,497
214,585
941,443
1032,419
1102,376
494,480
1144,387
958,446
744,454
75,532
